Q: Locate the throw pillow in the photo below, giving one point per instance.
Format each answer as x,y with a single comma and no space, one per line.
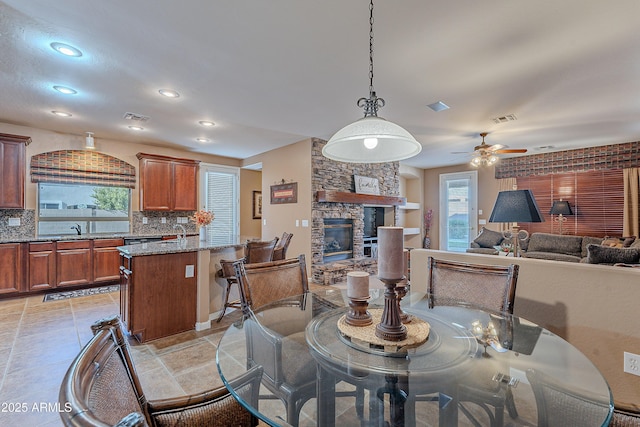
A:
628,241
488,238
635,244
600,254
613,242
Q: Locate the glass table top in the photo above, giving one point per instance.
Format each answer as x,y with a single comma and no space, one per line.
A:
470,355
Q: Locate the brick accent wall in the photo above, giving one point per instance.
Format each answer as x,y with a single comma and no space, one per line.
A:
615,156
328,174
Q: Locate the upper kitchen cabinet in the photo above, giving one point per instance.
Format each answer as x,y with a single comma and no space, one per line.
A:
12,173
168,183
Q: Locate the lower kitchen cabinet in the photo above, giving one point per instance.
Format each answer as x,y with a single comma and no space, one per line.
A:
106,260
42,266
10,268
158,298
73,263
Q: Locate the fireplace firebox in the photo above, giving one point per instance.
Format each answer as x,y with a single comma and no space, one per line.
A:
338,239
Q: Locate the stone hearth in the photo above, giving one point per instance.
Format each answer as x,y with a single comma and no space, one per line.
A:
331,175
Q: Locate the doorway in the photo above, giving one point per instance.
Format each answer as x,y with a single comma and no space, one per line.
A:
458,210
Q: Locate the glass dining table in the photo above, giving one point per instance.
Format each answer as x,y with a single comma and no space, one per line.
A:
475,368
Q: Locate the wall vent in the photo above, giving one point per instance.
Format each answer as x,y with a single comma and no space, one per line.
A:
135,117
503,119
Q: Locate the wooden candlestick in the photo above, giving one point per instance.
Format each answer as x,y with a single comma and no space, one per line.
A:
358,314
401,290
390,327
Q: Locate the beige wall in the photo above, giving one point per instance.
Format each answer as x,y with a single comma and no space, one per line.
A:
291,164
250,181
44,141
487,193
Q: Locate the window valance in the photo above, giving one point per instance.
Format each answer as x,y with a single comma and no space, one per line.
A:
82,167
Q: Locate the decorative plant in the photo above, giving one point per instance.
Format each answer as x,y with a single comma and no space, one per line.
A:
202,217
428,216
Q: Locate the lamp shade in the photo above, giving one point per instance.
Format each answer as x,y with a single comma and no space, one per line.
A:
561,207
371,139
516,206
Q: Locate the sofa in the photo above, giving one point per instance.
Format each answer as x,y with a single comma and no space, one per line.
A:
569,248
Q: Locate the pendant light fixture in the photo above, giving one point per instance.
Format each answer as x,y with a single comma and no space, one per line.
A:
371,139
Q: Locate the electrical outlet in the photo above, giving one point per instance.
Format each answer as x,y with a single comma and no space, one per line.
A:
632,363
163,220
145,220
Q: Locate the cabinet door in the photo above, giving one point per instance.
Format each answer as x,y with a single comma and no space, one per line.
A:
106,260
185,187
42,266
156,185
125,296
73,263
12,170
10,268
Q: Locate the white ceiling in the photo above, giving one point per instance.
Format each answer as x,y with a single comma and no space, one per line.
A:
271,73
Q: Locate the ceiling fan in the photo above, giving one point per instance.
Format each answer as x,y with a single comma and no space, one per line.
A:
485,154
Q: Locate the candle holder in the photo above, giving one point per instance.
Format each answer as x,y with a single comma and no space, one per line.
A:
390,327
358,314
401,290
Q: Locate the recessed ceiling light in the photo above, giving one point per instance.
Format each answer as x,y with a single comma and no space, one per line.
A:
438,106
65,90
61,113
203,139
206,123
136,128
65,49
169,93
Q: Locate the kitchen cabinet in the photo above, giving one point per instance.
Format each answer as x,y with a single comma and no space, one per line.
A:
106,260
158,294
12,170
73,263
42,266
168,183
10,268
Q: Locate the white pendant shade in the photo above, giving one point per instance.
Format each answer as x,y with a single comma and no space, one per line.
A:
393,142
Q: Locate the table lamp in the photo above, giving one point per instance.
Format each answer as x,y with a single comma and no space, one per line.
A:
516,206
560,208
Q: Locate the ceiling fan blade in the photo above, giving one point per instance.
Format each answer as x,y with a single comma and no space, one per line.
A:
512,150
496,147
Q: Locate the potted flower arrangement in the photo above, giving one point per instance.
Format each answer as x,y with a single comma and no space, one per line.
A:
202,218
428,217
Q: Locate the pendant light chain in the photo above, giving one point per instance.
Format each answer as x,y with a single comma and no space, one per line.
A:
372,103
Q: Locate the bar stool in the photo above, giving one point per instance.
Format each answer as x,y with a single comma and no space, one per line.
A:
255,251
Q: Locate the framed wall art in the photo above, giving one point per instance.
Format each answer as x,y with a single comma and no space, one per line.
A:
257,204
284,193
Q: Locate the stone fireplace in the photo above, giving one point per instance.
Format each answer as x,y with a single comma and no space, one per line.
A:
331,176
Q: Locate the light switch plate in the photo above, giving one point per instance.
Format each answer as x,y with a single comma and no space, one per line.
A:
14,222
305,222
297,223
163,220
189,271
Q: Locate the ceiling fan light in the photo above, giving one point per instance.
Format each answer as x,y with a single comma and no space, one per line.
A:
476,161
394,142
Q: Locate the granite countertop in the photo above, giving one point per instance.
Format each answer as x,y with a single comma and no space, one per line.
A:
191,244
27,239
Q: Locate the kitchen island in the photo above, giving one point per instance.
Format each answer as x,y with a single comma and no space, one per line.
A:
172,286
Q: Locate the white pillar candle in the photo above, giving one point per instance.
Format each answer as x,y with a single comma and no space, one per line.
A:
390,258
357,284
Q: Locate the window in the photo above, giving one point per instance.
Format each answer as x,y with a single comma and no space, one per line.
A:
65,208
221,186
458,207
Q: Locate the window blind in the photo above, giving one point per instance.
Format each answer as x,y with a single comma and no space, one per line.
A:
596,198
222,199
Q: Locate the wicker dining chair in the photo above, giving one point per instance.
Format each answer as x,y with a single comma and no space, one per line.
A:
558,406
486,287
282,351
280,250
101,388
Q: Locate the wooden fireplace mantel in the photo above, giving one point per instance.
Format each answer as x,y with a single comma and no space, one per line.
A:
357,198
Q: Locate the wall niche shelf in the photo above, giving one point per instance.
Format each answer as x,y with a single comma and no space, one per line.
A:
328,196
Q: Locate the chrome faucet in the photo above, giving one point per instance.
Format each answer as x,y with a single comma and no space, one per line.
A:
183,236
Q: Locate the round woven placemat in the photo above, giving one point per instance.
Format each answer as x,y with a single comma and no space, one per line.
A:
417,331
